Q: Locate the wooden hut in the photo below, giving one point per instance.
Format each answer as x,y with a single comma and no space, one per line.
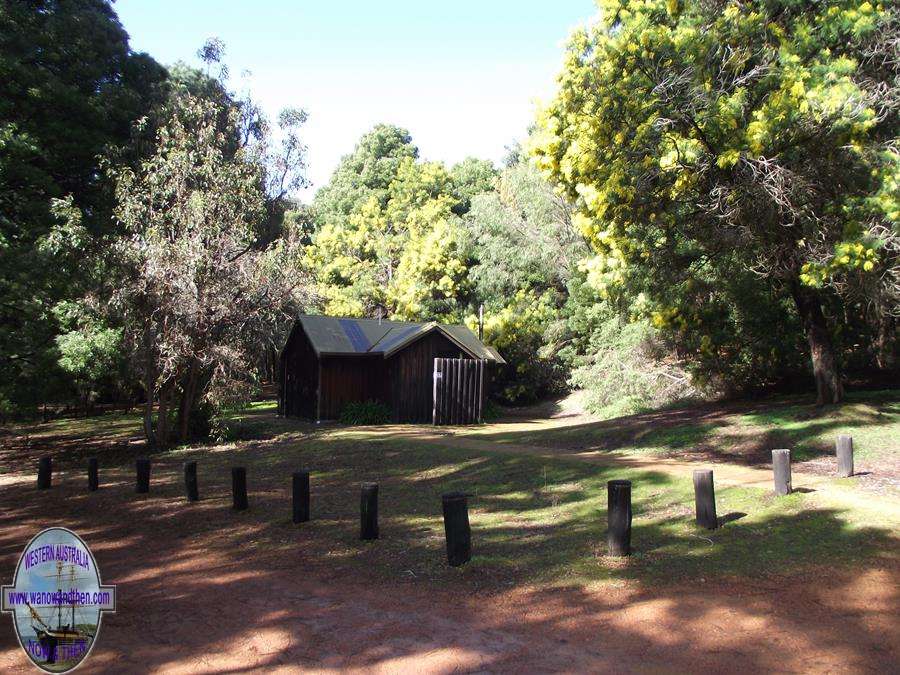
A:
424,372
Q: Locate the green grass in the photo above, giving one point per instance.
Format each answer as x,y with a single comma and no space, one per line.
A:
534,519
742,431
872,418
108,425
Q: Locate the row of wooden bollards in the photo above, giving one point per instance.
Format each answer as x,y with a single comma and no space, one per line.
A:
618,537
455,504
781,464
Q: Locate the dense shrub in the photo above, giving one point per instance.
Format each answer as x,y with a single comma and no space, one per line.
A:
630,371
365,412
520,332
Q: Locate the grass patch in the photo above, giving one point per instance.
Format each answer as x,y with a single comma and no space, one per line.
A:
872,418
544,521
740,431
534,519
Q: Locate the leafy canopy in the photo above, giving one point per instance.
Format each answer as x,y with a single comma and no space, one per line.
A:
701,141
389,239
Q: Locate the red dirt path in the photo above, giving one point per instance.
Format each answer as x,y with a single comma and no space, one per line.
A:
195,598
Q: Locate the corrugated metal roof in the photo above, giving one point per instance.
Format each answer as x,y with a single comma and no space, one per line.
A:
333,336
397,337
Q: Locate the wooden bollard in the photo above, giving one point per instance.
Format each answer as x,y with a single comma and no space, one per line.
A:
300,489
191,487
93,470
705,499
45,473
844,451
239,487
368,512
618,536
456,528
142,469
781,466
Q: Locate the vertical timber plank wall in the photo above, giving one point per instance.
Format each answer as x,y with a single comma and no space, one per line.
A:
480,394
347,379
458,391
299,377
411,375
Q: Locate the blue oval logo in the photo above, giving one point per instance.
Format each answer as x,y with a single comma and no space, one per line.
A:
57,600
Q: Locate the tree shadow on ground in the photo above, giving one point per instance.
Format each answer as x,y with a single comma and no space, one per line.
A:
742,432
202,587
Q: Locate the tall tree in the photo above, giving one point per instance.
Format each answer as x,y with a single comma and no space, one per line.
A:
388,240
196,294
70,88
522,236
700,134
471,177
365,173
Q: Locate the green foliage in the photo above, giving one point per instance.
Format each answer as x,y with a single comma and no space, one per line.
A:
196,293
90,351
360,413
491,411
471,177
388,240
364,174
518,331
522,237
70,89
629,370
719,194
725,139
523,250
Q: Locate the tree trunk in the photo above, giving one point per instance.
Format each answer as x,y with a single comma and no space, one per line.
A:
149,391
162,415
884,342
148,419
821,348
188,396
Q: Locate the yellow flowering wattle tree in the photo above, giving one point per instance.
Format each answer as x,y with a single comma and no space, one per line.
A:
389,240
720,137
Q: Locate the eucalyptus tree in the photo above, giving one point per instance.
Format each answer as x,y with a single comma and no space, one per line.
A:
196,294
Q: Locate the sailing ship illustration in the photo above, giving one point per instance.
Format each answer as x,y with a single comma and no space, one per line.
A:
64,641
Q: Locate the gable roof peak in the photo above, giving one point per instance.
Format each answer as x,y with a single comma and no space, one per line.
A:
334,336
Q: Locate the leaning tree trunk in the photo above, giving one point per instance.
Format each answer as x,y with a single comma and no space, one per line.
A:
825,367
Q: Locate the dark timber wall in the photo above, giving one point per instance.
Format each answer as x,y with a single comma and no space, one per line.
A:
458,391
412,373
350,378
298,381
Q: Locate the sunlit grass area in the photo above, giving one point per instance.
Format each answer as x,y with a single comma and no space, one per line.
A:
545,520
872,418
534,518
741,430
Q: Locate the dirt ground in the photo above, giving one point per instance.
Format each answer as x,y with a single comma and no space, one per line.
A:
200,589
200,603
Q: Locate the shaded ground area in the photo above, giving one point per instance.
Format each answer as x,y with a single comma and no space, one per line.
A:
202,588
743,432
